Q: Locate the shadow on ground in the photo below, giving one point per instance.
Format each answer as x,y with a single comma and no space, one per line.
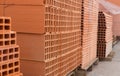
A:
108,68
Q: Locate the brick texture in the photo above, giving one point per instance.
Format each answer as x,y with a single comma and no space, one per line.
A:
53,42
1,10
89,23
26,17
24,2
9,50
53,34
104,45
116,23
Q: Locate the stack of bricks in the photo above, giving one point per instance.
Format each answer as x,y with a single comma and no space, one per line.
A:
48,33
89,23
116,25
9,50
104,45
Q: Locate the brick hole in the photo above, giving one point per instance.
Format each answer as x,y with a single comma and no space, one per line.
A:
12,35
7,43
5,58
11,57
16,69
1,27
5,51
16,49
16,63
1,43
7,20
11,50
12,41
4,66
6,36
1,21
16,55
0,67
10,71
4,73
7,27
1,36
0,52
10,65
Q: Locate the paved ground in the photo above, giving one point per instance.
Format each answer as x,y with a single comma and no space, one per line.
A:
108,68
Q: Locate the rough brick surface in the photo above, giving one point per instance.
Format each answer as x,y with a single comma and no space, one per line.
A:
116,25
59,47
26,17
104,45
24,2
9,50
89,25
1,10
1,1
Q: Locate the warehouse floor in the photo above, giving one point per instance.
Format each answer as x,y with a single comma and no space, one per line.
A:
108,68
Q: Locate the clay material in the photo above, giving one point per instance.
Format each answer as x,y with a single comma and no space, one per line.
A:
89,32
25,2
28,19
9,50
32,46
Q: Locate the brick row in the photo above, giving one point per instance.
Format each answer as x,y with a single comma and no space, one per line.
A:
9,50
89,25
56,34
104,45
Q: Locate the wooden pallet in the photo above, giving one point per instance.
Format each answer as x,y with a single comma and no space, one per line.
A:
83,72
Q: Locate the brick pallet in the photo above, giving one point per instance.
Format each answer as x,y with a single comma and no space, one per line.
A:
9,50
116,22
51,38
104,45
89,32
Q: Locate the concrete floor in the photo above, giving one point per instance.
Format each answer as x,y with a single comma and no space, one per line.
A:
108,68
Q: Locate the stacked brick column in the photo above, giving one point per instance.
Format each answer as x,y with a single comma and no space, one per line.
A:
89,25
116,23
104,45
9,50
48,33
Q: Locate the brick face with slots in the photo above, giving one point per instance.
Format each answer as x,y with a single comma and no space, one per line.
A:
89,24
104,45
9,50
53,44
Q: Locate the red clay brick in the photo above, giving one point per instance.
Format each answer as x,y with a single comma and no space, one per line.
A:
1,1
116,22
37,70
9,50
25,17
89,31
104,45
1,10
27,42
25,2
59,45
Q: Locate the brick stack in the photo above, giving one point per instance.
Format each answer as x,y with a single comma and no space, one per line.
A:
104,45
89,25
26,14
48,33
9,50
116,25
